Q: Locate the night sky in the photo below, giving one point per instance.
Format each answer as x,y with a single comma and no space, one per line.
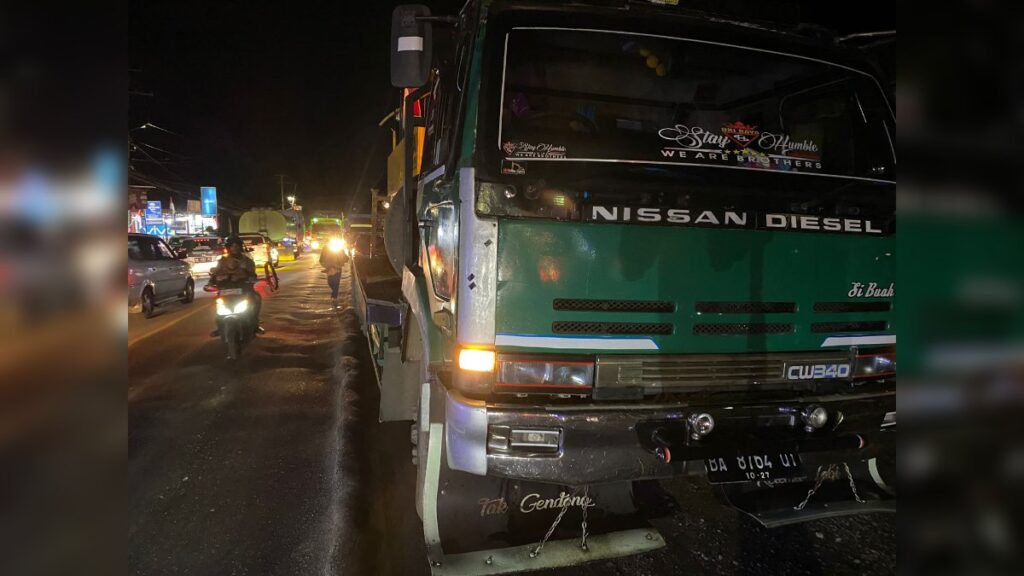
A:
251,91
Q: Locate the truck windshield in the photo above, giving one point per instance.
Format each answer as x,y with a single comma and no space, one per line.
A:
321,228
583,95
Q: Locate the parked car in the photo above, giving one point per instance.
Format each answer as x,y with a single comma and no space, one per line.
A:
260,248
202,252
156,274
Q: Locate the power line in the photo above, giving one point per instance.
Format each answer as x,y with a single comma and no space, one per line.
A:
157,162
140,142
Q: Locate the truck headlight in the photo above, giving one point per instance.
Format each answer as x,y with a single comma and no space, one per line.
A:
525,372
875,363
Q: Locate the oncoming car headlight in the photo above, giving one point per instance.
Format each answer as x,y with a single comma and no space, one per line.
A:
524,372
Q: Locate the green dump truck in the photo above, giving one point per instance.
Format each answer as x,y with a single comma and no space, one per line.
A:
626,242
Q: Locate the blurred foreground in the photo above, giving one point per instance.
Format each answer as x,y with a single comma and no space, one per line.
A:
962,277
63,309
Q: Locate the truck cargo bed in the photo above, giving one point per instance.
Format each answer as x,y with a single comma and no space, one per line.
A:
377,291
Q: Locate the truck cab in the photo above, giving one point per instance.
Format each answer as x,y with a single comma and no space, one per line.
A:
633,242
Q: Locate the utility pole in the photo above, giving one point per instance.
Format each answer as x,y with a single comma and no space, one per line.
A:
280,181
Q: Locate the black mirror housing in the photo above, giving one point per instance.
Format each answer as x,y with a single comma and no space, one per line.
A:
411,46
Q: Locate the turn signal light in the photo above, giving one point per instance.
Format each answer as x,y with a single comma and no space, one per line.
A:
476,360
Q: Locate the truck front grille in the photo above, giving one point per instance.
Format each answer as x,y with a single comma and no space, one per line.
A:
870,326
845,307
591,305
745,307
573,327
701,371
741,328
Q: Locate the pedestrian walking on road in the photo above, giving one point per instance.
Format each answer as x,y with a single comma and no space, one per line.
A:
333,258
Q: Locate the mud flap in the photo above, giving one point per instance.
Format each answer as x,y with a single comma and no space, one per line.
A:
398,400
488,525
556,554
780,504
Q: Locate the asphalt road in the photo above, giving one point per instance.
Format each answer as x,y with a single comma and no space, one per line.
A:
276,464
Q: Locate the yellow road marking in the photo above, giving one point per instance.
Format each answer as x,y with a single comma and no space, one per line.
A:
169,324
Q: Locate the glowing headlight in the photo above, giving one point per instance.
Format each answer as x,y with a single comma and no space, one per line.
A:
538,373
315,244
336,245
222,308
475,360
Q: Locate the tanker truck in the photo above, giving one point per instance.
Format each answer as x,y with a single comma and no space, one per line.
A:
285,228
627,243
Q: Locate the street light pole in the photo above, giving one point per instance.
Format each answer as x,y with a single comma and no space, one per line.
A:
280,181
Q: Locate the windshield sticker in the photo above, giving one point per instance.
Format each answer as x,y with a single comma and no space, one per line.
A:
512,168
528,150
739,144
741,134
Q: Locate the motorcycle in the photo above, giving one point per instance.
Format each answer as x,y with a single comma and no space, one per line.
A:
236,318
236,311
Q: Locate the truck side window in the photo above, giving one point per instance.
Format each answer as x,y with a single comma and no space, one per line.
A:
433,144
441,249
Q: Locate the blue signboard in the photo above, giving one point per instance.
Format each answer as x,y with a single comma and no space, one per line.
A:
154,210
155,229
208,197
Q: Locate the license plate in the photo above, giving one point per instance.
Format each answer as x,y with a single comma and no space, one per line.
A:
753,467
229,291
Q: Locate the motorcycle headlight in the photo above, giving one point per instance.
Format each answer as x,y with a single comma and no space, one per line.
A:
222,308
242,306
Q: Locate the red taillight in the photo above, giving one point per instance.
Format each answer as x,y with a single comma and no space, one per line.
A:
131,278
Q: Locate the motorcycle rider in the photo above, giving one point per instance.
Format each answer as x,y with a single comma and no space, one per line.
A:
235,269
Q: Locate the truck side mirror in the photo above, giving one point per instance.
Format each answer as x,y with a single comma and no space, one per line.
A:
411,40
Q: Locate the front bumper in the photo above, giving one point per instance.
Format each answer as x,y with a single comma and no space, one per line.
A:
602,443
